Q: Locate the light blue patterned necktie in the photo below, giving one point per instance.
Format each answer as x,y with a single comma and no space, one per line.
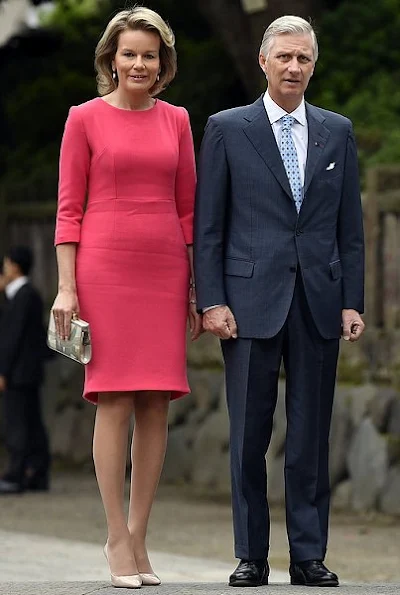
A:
290,161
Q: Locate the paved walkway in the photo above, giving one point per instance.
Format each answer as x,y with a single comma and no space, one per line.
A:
186,589
27,558
39,565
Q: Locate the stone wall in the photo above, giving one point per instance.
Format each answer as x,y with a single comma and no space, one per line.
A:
365,435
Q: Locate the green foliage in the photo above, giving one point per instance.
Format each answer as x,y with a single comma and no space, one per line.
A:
358,74
68,11
41,88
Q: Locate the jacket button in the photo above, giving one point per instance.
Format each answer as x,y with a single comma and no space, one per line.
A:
292,269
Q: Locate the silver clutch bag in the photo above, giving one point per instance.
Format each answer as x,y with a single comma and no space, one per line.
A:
78,346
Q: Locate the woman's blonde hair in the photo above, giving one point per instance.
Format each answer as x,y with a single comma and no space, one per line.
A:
142,19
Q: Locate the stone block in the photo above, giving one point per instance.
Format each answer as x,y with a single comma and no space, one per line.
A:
340,435
380,407
389,501
394,421
360,398
352,364
223,475
179,410
367,465
62,434
341,497
277,444
211,442
205,352
206,386
179,457
81,449
276,480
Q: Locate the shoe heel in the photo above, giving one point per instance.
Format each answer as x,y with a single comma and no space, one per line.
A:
132,581
126,582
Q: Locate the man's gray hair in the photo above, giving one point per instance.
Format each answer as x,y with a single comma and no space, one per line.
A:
288,25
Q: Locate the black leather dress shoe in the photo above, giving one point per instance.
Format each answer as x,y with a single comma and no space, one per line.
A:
312,573
37,483
9,487
250,573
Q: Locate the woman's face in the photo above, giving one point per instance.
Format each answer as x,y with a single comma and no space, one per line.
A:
137,60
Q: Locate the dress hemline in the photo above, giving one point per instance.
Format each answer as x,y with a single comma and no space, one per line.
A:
93,396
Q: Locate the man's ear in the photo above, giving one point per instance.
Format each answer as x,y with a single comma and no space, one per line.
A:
263,63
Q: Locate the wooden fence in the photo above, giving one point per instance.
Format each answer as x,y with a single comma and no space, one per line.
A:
33,223
382,238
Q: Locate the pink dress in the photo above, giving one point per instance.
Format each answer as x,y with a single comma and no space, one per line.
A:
126,196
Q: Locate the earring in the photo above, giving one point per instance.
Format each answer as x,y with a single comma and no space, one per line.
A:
158,77
114,75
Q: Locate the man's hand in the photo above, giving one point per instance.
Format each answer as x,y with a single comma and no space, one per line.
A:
352,325
2,384
220,322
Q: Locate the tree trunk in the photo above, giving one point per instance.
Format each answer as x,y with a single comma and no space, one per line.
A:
241,33
230,22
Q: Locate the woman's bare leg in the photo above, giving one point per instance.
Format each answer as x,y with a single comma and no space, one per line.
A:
149,444
110,443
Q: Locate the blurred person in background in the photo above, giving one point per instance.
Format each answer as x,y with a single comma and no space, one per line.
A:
125,266
279,262
23,352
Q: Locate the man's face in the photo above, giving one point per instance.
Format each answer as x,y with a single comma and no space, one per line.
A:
10,270
288,68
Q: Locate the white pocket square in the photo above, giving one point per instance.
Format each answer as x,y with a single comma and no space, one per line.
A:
331,166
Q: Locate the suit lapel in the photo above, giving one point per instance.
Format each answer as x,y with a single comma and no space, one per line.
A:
258,130
318,136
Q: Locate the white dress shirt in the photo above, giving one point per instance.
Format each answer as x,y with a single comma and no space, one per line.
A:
14,286
299,129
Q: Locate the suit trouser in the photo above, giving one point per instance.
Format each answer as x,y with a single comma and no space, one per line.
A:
25,434
252,372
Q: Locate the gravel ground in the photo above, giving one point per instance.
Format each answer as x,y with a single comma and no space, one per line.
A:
362,549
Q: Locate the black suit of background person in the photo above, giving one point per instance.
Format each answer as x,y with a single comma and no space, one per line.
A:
23,351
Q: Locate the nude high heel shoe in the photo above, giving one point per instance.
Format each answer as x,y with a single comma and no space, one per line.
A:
132,581
150,579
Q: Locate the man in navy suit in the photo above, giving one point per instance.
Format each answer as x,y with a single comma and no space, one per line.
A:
23,351
279,263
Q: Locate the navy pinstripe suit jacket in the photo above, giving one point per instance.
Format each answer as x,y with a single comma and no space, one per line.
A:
249,240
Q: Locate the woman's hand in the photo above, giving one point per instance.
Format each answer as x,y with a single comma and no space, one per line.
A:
195,322
64,308
195,319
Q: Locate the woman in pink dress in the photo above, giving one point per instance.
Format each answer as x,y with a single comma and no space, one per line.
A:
123,237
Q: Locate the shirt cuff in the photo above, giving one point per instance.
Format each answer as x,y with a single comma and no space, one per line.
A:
212,307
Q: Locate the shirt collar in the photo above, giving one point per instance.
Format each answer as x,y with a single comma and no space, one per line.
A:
14,286
275,112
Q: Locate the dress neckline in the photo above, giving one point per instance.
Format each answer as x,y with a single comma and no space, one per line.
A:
130,111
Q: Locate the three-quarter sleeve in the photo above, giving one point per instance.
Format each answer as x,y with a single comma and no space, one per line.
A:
185,184
73,179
